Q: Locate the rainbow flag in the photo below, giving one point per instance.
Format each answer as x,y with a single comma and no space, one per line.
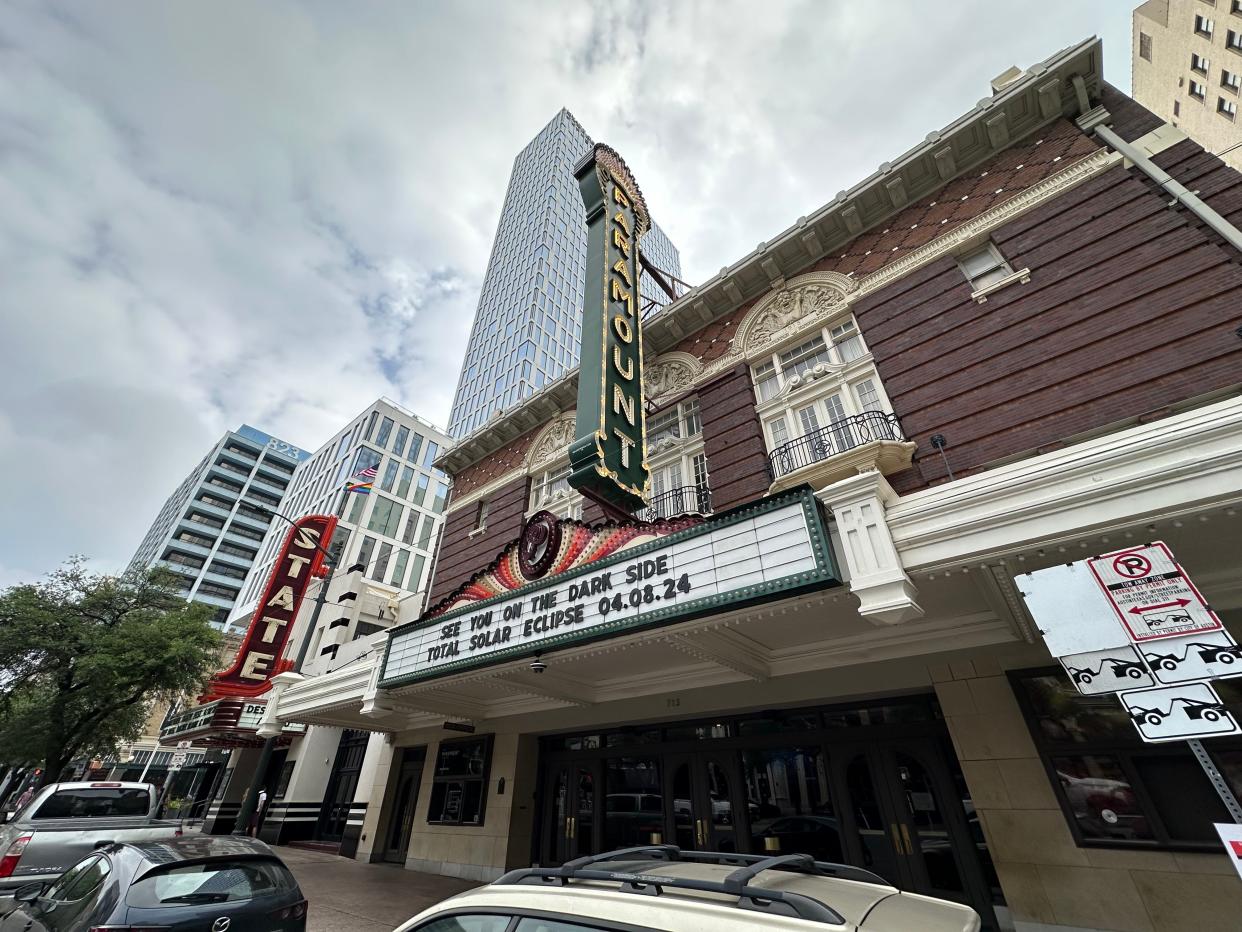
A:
362,481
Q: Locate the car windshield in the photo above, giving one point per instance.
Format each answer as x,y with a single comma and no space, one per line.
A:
95,803
220,881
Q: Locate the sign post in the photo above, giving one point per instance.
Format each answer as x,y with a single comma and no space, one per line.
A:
1132,623
608,458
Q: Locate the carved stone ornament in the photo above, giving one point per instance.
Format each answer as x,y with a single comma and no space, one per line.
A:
554,442
671,374
805,300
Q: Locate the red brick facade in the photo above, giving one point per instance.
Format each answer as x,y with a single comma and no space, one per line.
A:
1132,307
461,554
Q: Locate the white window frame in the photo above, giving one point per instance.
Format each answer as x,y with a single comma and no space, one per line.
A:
1200,64
985,281
1204,25
682,451
550,491
1226,108
1197,90
1230,85
841,380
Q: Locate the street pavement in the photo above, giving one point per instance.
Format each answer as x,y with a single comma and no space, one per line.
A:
349,896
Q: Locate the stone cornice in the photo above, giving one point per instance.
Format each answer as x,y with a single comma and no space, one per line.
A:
745,348
1176,465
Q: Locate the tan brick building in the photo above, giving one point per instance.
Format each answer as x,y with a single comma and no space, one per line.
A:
1187,69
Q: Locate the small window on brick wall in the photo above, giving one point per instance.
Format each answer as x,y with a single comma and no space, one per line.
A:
480,515
984,266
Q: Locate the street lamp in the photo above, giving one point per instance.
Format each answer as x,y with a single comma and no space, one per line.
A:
270,729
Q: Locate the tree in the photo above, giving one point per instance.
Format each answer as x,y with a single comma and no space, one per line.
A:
84,656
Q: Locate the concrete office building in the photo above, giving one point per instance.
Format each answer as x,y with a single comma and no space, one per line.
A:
526,328
1187,68
205,532
1003,351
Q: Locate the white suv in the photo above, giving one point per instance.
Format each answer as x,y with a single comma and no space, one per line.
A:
663,888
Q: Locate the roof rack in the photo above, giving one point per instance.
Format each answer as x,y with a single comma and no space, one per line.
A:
737,883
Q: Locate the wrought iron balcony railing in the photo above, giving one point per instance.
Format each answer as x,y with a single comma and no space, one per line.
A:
837,437
684,500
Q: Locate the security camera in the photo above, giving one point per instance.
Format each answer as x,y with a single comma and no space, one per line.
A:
537,665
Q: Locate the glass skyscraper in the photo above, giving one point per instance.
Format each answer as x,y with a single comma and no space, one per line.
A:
527,325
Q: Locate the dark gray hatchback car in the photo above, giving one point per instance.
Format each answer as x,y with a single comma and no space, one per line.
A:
198,883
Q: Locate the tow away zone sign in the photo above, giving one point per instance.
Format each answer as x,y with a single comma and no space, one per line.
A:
1152,595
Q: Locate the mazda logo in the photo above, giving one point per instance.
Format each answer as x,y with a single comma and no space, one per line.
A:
221,924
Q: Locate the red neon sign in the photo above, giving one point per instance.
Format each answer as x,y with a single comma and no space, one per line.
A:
260,656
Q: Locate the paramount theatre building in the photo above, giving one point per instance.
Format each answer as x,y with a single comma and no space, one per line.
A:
1016,345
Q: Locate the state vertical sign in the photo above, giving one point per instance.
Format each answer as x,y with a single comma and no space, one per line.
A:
260,656
608,456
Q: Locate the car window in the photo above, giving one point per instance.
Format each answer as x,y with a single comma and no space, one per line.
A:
81,880
465,924
95,803
220,881
533,924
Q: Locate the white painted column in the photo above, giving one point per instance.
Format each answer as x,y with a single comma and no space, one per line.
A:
886,595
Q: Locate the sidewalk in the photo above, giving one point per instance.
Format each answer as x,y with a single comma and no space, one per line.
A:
349,896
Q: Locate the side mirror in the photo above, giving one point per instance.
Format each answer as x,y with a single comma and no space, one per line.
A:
30,892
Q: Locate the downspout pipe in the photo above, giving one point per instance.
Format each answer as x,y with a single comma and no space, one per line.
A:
1178,191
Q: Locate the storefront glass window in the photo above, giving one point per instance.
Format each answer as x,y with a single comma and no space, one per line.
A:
459,786
779,721
633,802
1116,789
698,732
625,739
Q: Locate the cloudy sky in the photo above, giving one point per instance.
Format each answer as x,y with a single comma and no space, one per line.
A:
272,212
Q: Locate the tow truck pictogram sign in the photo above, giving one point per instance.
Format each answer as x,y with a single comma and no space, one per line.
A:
1151,593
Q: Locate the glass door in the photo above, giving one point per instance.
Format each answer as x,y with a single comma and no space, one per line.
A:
908,824
707,805
572,791
401,825
936,842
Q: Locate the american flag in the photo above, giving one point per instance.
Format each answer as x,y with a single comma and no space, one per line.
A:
368,473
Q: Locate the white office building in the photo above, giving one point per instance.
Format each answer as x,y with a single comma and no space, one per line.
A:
206,532
389,534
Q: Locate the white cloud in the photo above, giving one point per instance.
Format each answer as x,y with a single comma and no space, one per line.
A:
275,212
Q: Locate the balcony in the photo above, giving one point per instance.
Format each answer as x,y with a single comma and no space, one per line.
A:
230,467
684,500
872,440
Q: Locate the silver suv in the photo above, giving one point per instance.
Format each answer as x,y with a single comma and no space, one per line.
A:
662,887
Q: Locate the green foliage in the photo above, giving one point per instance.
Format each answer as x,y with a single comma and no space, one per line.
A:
84,657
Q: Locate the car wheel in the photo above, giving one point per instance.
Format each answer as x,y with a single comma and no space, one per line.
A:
1084,678
1152,718
1224,657
1134,673
1211,715
1168,664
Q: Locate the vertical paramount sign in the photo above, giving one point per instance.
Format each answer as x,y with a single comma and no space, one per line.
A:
608,456
259,657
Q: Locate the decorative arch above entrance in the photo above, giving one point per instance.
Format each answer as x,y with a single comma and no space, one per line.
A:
802,303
